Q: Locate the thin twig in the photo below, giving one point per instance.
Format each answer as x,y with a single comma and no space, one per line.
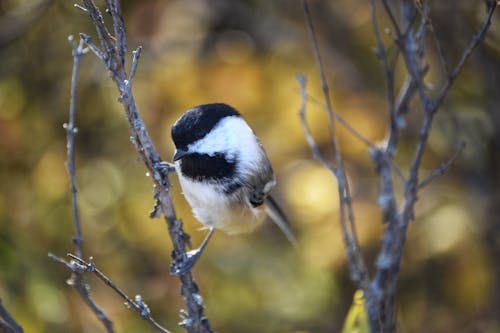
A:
358,270
138,304
346,212
108,49
77,280
310,139
406,94
84,10
381,54
119,28
92,46
79,267
432,106
71,130
475,41
424,11
336,167
357,267
442,168
395,24
135,61
341,120
324,82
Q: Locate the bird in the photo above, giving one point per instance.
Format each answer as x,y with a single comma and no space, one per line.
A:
224,173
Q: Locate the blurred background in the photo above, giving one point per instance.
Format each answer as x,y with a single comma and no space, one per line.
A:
244,53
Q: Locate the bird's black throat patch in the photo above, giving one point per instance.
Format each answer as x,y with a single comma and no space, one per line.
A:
203,167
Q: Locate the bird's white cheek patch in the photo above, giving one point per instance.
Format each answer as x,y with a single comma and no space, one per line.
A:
231,136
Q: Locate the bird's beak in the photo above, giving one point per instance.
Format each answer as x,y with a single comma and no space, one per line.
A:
179,153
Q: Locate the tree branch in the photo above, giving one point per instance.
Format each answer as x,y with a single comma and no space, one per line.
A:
380,294
112,52
442,168
77,280
79,266
381,53
473,44
71,131
389,259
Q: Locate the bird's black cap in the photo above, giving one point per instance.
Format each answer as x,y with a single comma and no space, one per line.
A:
197,122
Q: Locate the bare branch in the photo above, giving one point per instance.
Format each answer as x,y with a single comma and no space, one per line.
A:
337,167
119,28
135,61
424,12
355,260
310,140
405,96
410,39
71,130
112,49
381,54
138,304
387,200
324,83
476,40
341,120
93,47
77,6
77,280
442,168
107,41
395,24
79,267
359,272
431,107
389,260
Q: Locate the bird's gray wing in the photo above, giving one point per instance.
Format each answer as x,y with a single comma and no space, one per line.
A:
259,187
259,193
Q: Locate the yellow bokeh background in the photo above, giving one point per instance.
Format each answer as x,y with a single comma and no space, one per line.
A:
247,54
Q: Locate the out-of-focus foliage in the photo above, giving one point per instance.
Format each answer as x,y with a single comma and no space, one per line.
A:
245,53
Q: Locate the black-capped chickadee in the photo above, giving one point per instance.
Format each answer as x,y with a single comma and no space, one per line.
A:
224,172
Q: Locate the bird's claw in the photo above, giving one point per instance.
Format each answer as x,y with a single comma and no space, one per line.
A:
165,168
183,266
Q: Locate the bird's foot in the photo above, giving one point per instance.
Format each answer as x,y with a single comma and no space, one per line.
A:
184,265
165,168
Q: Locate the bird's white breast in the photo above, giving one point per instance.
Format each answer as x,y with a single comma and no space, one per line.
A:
214,209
